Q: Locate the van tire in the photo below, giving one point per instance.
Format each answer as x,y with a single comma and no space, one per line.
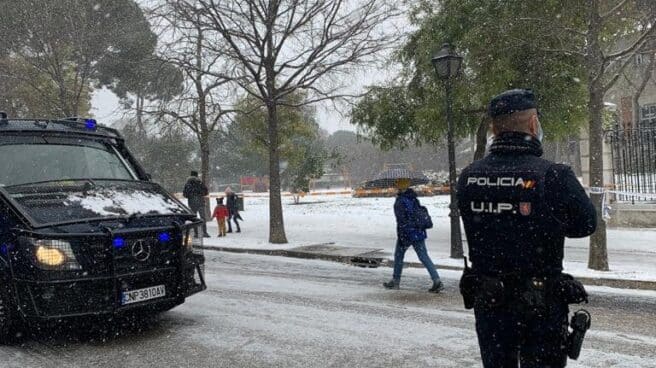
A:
7,316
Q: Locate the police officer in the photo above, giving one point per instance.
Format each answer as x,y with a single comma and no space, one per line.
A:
517,210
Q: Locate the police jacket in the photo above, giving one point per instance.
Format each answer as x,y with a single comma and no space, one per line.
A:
404,206
517,209
194,191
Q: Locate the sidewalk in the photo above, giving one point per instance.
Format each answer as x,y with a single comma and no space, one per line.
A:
373,258
368,223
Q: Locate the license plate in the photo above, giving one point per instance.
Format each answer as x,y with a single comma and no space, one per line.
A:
140,295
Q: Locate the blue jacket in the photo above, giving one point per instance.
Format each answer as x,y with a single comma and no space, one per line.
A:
404,206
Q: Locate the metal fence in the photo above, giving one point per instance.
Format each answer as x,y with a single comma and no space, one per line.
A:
634,163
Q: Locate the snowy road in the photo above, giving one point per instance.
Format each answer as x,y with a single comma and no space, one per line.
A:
262,311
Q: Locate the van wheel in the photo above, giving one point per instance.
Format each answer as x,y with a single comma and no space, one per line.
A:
7,316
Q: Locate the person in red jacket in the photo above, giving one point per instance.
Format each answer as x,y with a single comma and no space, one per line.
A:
221,214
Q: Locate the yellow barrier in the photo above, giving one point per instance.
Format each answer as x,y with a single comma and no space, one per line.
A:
266,194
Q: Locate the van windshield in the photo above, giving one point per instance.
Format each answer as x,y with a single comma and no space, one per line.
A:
38,159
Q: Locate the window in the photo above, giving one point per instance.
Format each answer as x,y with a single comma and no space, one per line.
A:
648,115
34,162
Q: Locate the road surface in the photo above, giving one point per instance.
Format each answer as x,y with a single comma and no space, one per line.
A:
262,311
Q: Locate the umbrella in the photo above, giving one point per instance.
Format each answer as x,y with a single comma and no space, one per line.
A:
387,178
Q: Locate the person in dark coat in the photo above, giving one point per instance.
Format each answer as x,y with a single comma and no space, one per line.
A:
517,209
409,235
233,210
195,192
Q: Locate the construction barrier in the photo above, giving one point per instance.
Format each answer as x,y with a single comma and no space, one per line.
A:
266,194
605,202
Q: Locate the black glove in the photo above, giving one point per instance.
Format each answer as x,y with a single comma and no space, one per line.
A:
568,290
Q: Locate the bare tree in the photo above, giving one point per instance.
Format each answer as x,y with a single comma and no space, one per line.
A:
192,48
283,46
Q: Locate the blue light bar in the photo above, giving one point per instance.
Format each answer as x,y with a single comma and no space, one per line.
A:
164,237
5,248
90,124
118,243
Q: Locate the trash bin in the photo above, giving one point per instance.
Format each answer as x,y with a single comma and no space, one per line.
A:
240,202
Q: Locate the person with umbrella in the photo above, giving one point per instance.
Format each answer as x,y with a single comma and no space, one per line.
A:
411,232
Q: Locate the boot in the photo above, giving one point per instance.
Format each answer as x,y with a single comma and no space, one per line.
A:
392,284
437,287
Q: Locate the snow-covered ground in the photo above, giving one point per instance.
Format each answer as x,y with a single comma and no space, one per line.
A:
262,311
369,223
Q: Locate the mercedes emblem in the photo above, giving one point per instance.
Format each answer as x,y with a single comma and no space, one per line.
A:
141,250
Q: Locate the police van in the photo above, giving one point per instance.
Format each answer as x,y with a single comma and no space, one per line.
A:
83,229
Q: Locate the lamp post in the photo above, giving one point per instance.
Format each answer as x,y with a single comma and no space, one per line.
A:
447,66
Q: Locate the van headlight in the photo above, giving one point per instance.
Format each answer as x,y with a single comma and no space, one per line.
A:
193,241
54,254
187,242
50,256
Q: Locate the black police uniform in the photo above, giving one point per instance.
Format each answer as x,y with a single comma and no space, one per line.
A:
517,210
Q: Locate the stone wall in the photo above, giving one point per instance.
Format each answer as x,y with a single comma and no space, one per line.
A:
639,215
585,161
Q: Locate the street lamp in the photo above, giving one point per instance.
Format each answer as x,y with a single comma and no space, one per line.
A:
447,66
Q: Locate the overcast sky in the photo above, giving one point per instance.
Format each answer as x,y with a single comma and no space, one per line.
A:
105,106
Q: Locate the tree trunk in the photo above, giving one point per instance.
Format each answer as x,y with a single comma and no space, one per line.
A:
481,139
594,59
276,225
205,158
203,131
598,257
205,169
140,103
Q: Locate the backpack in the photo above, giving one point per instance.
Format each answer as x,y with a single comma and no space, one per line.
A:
422,218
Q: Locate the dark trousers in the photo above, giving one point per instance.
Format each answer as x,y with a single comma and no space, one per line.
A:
199,209
233,217
510,339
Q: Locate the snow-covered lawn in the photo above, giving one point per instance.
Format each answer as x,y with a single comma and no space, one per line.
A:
369,222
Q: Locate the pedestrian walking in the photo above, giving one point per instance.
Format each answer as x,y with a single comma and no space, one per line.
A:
220,213
195,192
517,210
411,232
233,209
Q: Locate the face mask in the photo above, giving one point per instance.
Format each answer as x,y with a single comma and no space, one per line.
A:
540,134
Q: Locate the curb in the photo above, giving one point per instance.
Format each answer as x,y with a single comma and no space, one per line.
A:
379,261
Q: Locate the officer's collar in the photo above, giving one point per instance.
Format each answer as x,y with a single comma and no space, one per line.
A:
516,142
